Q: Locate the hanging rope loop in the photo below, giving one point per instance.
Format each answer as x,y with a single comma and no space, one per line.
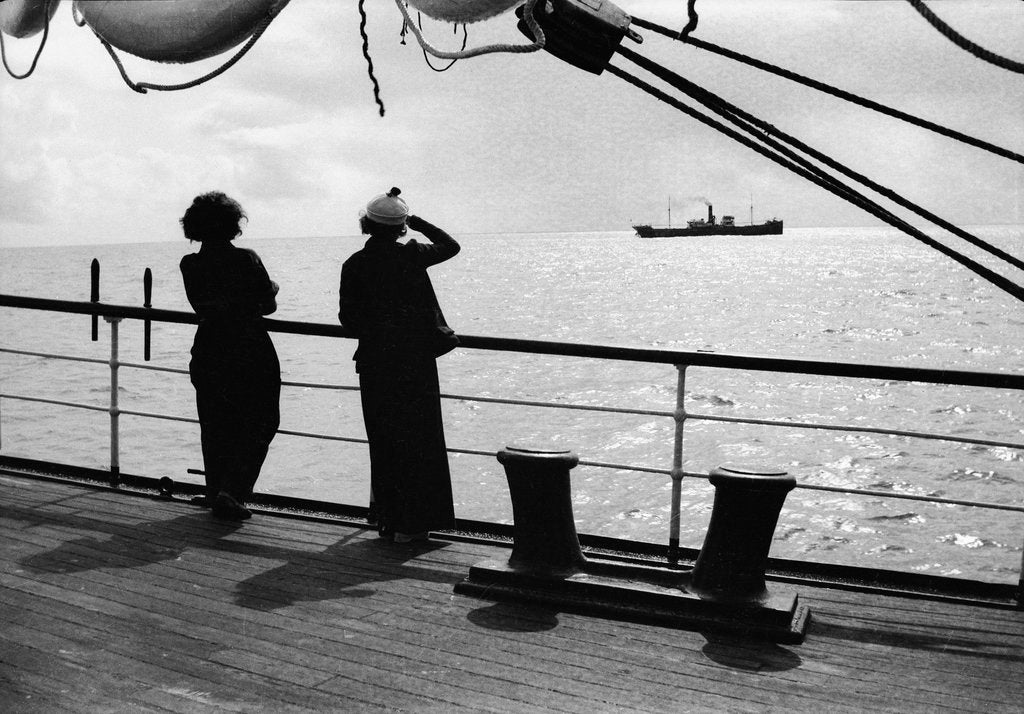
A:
455,31
537,44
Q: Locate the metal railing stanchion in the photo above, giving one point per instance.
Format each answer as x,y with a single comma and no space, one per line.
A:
94,296
677,464
115,412
147,302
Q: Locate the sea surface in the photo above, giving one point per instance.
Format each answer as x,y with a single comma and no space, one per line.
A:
846,294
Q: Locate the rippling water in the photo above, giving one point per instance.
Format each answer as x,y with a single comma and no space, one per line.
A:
866,295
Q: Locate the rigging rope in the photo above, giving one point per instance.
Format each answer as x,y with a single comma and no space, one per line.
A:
725,108
962,42
369,60
142,87
39,52
828,89
810,173
537,44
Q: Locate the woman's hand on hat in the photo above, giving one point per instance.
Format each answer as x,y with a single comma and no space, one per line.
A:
414,222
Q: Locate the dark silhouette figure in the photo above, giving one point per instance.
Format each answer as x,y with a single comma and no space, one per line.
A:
388,302
234,366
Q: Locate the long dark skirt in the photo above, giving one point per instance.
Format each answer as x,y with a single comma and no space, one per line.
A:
238,399
409,473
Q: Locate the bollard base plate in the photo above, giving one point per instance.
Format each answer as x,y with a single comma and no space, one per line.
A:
643,593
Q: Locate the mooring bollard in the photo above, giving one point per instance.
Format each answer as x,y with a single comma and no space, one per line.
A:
544,528
547,566
732,562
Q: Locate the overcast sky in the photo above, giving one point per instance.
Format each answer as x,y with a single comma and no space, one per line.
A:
504,143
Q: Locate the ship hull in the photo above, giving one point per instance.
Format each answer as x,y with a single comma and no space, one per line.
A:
757,229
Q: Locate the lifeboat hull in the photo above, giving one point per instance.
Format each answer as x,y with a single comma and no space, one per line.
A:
24,18
176,30
462,11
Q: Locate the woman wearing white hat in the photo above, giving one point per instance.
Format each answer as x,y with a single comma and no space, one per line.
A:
387,301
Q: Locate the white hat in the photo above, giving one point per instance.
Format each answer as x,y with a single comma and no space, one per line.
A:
387,208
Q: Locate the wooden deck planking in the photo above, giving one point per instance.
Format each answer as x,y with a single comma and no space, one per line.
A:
285,614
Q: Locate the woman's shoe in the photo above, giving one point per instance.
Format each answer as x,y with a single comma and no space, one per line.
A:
411,537
225,506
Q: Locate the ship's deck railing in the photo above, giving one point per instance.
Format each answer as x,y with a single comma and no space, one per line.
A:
682,360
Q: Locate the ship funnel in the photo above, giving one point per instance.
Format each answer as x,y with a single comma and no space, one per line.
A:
711,213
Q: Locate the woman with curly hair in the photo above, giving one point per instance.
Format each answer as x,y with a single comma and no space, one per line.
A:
234,367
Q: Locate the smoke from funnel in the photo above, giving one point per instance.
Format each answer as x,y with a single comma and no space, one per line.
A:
703,200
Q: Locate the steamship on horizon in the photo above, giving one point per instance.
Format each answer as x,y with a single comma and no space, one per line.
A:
710,227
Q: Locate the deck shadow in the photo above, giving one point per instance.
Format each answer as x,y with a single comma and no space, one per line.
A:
143,544
347,569
748,653
942,642
514,617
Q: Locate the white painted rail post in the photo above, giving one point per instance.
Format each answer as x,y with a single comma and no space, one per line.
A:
115,411
677,464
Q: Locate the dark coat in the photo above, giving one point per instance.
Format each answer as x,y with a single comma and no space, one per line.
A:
386,299
234,366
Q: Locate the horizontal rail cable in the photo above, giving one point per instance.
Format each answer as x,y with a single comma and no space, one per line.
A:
153,367
314,385
584,407
887,494
582,462
49,355
587,407
154,415
58,402
720,360
559,405
850,427
912,497
325,437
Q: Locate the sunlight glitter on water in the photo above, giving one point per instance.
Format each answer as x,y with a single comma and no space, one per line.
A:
860,295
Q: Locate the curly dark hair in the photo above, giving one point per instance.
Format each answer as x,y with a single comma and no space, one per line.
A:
371,227
213,216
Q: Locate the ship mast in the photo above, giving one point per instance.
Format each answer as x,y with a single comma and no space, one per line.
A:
669,211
